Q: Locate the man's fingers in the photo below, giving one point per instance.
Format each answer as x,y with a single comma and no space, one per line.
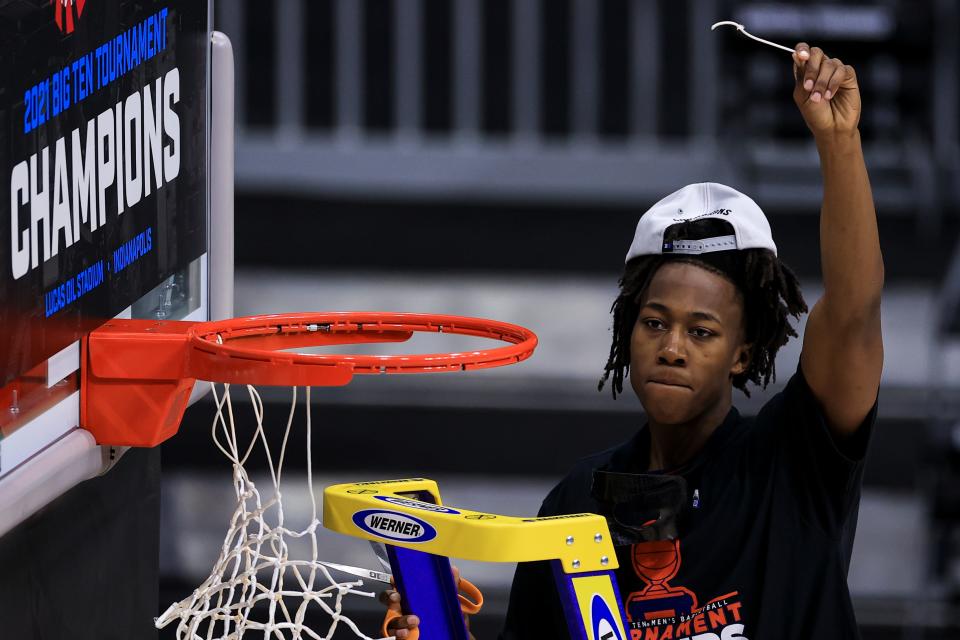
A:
456,576
811,71
828,68
801,53
849,80
404,622
400,627
839,75
390,598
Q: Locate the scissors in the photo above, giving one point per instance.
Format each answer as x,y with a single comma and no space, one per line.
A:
470,603
471,600
379,576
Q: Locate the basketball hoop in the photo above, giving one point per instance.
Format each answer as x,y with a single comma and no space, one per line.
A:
137,377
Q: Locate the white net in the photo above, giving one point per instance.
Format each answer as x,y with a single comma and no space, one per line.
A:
255,587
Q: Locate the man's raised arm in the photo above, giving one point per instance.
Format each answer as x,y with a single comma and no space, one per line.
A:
842,354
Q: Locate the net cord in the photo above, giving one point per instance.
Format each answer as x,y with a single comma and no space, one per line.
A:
223,606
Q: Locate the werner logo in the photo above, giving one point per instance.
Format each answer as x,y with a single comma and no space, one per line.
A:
394,526
416,504
602,620
63,13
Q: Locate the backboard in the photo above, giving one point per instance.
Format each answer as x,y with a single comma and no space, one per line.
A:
111,126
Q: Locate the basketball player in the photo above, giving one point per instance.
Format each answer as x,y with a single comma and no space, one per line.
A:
754,538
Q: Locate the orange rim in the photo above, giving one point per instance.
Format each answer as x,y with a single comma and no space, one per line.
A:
251,343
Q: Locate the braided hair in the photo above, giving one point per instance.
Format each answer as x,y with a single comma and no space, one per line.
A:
768,288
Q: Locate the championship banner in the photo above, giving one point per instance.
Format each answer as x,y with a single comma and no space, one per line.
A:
103,162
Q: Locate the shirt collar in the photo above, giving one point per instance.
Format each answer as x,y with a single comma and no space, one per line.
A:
633,457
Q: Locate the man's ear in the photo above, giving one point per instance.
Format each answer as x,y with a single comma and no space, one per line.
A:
742,360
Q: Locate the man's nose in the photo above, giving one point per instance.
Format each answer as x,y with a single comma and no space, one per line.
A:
673,349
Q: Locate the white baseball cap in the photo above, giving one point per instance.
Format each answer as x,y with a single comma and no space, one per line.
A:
695,202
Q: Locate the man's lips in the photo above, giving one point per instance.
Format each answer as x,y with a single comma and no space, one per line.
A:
669,382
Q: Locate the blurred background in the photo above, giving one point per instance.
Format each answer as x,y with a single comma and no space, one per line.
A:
491,158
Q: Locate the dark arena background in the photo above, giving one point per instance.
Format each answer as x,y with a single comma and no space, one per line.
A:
491,158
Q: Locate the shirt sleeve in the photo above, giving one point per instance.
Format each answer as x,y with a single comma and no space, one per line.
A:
824,472
534,610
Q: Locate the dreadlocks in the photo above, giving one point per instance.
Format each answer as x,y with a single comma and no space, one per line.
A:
769,291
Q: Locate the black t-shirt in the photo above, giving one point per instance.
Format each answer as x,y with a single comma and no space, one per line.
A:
764,540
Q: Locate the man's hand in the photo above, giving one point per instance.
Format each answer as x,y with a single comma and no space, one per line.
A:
826,92
403,627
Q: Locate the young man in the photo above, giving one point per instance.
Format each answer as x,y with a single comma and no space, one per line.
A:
735,527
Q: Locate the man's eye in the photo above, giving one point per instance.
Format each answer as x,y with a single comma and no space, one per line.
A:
700,332
653,323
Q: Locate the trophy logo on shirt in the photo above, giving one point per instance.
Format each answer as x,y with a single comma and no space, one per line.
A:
657,562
